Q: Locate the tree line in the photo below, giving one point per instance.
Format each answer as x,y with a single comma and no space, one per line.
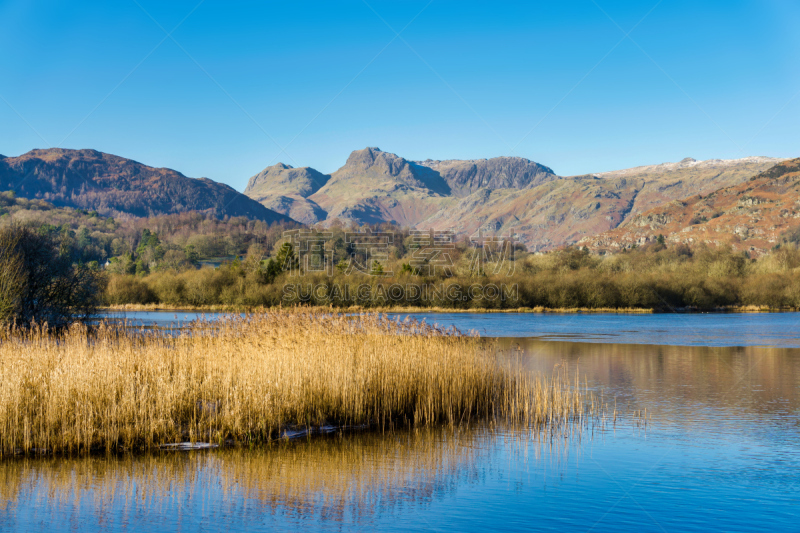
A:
62,264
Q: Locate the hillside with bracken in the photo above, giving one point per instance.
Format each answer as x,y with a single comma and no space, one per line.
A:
115,186
753,216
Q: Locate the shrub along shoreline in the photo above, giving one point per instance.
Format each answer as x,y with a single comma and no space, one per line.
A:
412,309
359,309
711,280
654,277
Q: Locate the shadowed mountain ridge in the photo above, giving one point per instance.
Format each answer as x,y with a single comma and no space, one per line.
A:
115,186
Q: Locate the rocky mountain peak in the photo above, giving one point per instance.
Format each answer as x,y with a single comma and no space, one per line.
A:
285,179
374,164
375,157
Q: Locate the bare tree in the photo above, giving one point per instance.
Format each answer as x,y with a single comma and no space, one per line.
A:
39,282
12,276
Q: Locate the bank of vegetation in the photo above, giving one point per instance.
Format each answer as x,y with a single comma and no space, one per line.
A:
196,261
658,277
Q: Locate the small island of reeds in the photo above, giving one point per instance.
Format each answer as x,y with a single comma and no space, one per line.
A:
247,379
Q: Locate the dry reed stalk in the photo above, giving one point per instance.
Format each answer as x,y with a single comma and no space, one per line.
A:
247,378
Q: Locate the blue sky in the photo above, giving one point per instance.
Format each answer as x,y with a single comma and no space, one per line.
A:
240,85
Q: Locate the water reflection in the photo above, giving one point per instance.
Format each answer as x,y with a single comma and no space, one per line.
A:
720,452
346,479
731,388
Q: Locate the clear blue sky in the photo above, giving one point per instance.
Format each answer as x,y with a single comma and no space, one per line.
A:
556,82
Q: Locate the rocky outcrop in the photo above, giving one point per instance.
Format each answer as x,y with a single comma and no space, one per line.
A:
373,164
298,208
467,176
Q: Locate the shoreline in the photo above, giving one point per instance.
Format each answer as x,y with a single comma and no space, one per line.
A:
443,310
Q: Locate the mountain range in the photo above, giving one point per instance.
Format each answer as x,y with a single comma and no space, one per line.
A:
502,195
499,196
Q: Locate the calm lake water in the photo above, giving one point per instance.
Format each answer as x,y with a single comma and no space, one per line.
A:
721,450
710,329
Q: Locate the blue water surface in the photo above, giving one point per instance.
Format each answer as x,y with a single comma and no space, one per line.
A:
706,438
679,329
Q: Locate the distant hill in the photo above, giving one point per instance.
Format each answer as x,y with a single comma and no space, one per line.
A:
750,216
670,181
113,185
566,210
502,195
286,190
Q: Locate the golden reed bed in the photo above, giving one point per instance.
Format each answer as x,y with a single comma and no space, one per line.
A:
246,379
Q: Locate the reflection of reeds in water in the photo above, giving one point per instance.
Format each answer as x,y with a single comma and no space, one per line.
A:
333,478
355,474
679,384
248,378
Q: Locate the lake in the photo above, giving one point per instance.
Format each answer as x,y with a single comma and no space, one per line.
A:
720,449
